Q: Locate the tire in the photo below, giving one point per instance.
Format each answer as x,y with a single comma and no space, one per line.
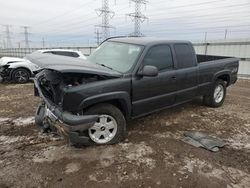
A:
113,116
213,99
20,76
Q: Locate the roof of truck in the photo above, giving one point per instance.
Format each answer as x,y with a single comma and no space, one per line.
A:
146,40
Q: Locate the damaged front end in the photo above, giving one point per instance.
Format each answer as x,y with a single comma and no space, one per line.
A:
51,86
5,73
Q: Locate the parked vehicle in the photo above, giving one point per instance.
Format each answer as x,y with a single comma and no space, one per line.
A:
20,70
64,52
123,79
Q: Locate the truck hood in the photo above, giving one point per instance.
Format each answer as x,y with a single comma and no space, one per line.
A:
65,64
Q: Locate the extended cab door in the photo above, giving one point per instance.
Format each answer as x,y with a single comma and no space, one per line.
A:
152,93
186,73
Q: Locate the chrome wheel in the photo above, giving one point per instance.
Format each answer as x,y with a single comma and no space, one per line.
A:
104,130
218,93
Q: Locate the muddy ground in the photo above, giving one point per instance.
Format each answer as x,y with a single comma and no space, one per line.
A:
152,156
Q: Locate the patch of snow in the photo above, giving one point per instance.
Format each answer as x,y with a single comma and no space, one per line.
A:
12,139
239,141
237,177
4,120
137,153
24,121
103,155
72,167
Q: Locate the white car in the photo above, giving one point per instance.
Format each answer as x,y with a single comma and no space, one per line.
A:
63,52
20,70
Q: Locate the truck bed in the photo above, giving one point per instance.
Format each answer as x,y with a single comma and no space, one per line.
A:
206,58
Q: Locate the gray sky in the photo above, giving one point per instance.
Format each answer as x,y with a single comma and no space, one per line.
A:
72,23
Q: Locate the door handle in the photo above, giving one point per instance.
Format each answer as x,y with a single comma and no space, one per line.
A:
174,77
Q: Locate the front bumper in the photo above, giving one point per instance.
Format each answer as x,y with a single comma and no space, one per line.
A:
67,124
5,73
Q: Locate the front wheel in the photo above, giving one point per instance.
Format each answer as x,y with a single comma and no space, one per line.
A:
110,128
217,96
21,76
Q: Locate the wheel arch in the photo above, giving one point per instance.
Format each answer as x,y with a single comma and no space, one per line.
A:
119,99
25,68
225,76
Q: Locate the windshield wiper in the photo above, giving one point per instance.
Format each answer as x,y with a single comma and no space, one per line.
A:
105,66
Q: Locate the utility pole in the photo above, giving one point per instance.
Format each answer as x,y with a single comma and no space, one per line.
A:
98,36
26,36
43,42
225,34
4,44
106,15
8,37
1,42
205,37
137,17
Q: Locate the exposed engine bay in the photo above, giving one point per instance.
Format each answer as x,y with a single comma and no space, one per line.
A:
53,82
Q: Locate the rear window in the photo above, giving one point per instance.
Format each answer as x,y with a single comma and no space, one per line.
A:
184,56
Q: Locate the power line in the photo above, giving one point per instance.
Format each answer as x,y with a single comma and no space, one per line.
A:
64,14
106,15
137,17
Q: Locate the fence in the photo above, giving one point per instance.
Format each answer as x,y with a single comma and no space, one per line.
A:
233,48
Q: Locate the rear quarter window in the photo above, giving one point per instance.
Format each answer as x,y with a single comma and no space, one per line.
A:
184,56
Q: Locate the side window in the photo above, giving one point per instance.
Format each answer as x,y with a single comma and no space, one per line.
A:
184,56
159,56
74,54
61,53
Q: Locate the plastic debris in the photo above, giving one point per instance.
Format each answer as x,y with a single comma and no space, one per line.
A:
200,139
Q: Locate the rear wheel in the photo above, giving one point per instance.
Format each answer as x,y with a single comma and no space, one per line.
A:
110,128
21,76
217,96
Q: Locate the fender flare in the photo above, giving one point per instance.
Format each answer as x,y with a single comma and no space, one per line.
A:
220,73
121,96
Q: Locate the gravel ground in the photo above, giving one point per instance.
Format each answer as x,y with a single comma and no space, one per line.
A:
152,156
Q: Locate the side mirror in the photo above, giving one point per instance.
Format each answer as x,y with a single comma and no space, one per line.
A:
148,70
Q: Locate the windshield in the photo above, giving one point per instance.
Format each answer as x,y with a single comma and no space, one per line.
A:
115,55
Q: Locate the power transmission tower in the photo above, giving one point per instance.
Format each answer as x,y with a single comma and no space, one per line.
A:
106,15
137,17
98,36
26,36
8,37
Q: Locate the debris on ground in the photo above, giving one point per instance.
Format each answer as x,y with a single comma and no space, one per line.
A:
201,139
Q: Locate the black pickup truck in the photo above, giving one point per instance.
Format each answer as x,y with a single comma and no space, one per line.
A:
90,101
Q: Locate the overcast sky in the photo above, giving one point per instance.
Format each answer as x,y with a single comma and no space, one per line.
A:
72,23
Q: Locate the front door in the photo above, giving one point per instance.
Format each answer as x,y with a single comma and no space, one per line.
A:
152,93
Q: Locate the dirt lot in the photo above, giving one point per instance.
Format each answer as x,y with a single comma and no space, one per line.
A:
152,156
